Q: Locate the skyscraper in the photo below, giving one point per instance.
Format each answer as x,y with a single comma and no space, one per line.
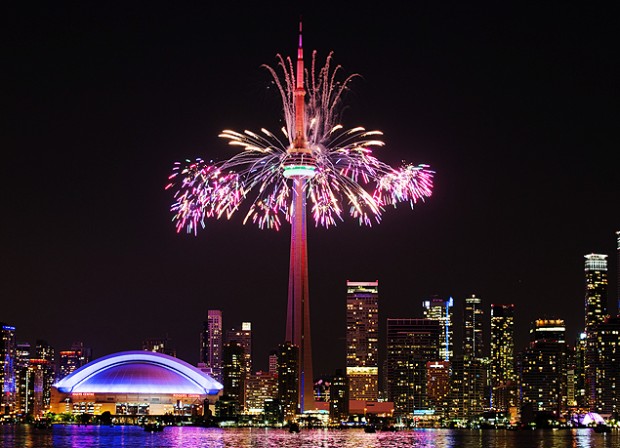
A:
618,267
22,378
7,369
411,343
211,343
233,374
339,398
543,367
441,310
502,356
363,340
473,331
596,289
288,379
243,336
595,314
606,398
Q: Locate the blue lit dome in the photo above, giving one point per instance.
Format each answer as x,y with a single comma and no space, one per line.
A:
139,372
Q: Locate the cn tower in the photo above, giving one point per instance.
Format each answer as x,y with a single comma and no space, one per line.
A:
300,166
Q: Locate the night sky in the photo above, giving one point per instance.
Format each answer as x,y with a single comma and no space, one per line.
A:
515,108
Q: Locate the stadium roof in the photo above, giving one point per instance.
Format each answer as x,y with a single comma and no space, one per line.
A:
139,372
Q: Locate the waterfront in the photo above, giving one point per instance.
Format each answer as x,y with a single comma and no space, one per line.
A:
61,436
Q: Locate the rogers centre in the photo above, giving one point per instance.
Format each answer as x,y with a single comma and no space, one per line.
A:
135,383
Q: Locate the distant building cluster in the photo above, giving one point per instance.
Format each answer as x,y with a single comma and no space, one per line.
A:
414,376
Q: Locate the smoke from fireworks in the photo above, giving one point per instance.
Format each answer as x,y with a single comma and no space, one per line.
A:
347,177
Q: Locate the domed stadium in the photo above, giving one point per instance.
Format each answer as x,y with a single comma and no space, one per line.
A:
135,383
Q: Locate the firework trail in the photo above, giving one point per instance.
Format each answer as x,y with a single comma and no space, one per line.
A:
346,177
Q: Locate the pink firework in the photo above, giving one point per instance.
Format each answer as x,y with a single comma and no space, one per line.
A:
346,177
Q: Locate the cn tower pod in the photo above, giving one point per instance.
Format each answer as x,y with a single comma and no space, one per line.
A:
299,164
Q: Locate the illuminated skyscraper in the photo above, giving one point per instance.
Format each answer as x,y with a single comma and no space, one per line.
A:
7,369
618,267
438,386
339,398
441,310
502,356
243,336
596,289
363,340
543,367
211,343
411,343
606,399
233,375
473,332
288,379
43,373
595,314
22,364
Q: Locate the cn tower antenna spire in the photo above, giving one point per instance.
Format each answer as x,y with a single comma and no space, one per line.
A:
299,143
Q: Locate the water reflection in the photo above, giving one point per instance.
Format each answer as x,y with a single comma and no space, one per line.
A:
72,436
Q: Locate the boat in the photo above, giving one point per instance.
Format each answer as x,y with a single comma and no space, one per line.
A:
601,428
153,427
293,427
370,428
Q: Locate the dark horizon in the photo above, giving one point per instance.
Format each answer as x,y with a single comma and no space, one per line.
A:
514,108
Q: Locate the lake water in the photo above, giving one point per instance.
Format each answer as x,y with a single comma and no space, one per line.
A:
25,436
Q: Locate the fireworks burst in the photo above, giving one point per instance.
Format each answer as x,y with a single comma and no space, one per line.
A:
346,177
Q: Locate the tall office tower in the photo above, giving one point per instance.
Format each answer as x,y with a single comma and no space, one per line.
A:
73,359
339,398
503,357
7,369
441,310
543,367
22,362
438,386
596,289
211,343
618,267
410,344
243,337
159,345
233,375
595,313
606,399
260,387
288,380
475,377
45,366
363,340
473,331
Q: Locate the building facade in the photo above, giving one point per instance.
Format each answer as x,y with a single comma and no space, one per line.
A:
411,343
8,354
441,310
211,343
502,362
363,340
243,336
543,368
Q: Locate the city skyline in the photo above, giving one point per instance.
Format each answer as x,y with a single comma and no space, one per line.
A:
516,120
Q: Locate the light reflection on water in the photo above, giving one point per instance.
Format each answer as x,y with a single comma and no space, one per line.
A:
72,436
